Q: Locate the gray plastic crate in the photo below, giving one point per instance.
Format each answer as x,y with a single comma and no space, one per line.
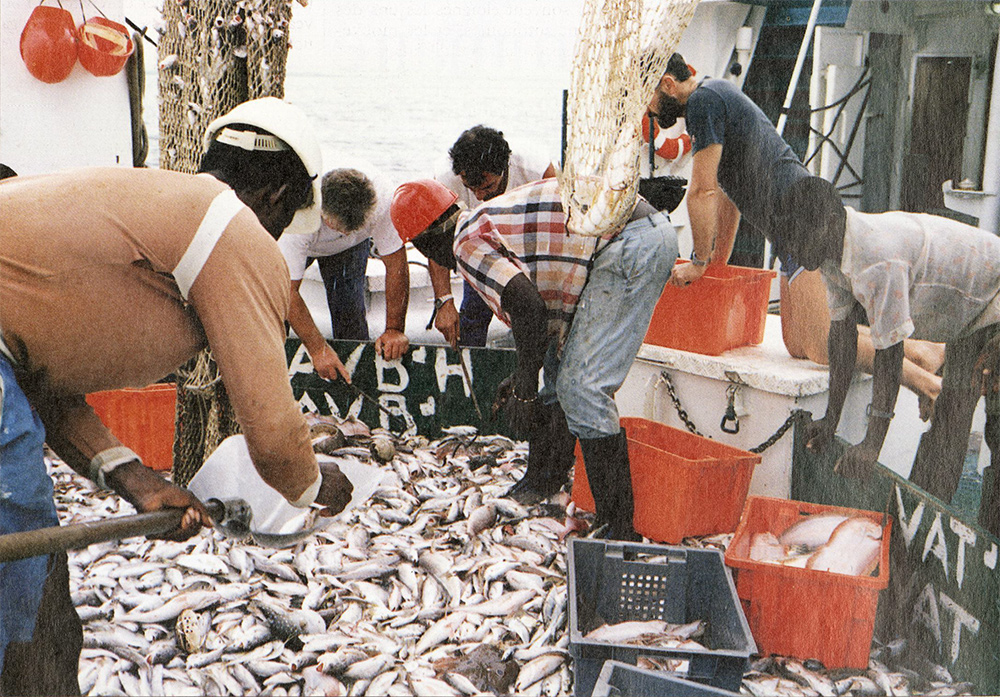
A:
611,582
621,680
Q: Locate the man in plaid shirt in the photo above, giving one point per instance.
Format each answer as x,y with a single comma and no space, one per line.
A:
577,306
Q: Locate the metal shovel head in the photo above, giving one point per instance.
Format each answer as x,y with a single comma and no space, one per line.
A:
230,473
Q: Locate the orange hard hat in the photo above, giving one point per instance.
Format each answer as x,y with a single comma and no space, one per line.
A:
417,204
48,43
104,46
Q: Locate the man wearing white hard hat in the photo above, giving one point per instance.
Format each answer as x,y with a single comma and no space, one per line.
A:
112,278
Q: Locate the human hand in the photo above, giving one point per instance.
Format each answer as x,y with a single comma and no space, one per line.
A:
335,490
987,371
148,491
328,366
686,274
392,345
447,322
818,435
857,462
520,409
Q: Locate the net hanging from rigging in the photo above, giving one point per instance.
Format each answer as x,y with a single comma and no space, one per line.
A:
621,53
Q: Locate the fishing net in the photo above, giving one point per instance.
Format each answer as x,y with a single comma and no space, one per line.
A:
213,55
621,53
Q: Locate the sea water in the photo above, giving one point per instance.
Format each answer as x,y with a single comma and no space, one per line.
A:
395,82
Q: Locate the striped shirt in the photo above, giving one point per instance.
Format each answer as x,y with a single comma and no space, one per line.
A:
524,231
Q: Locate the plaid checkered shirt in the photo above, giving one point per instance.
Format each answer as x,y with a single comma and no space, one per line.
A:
524,231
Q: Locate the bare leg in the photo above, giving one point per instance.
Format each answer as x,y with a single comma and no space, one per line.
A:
805,326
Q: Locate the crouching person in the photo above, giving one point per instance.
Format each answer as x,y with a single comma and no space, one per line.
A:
578,308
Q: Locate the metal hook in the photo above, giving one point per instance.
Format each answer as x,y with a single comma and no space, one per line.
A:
730,416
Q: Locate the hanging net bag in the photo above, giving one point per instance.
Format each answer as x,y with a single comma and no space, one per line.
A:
621,53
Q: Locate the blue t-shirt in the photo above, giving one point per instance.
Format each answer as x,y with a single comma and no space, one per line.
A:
757,165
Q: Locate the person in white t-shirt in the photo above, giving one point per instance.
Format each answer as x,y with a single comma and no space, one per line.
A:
481,166
917,276
355,218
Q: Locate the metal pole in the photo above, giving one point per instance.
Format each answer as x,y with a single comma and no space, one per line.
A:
799,62
990,218
565,108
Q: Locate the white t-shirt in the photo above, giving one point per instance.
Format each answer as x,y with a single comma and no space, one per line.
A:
523,169
298,247
916,275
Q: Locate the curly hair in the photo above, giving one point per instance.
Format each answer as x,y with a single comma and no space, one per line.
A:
477,151
349,196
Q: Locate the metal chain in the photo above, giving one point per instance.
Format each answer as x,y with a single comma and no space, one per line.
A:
671,390
775,437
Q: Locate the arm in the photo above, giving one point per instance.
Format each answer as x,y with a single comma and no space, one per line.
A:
842,350
325,360
858,460
76,434
446,321
729,223
393,342
703,202
528,322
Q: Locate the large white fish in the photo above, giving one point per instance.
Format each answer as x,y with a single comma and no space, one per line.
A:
853,548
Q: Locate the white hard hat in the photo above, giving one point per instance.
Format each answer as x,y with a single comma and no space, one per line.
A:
289,123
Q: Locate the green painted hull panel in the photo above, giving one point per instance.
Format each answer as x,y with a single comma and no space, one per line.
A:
944,591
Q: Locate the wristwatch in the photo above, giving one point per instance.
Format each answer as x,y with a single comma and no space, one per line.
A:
438,304
696,261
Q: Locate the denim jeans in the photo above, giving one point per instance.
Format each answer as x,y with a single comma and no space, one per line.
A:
344,279
609,325
473,318
26,503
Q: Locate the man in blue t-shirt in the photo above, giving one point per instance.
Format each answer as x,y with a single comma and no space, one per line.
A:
741,166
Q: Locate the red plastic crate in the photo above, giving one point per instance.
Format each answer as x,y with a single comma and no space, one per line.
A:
142,419
725,309
802,612
683,484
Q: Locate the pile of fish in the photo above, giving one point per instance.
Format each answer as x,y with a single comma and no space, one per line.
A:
831,542
437,586
778,676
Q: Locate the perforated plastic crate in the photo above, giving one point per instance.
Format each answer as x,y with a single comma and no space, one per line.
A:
612,582
619,678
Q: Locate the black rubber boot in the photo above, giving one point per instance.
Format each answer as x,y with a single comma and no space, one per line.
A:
610,479
550,458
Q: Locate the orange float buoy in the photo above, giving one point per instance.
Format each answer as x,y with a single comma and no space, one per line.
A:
48,43
104,46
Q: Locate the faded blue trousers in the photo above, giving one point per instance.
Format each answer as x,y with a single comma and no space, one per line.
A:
344,279
609,326
26,503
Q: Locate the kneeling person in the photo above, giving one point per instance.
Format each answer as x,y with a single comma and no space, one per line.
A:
577,306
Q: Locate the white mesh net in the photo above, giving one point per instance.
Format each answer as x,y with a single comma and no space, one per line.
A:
621,54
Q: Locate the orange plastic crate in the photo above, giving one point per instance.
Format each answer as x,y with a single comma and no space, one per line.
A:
142,419
725,309
683,484
802,612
